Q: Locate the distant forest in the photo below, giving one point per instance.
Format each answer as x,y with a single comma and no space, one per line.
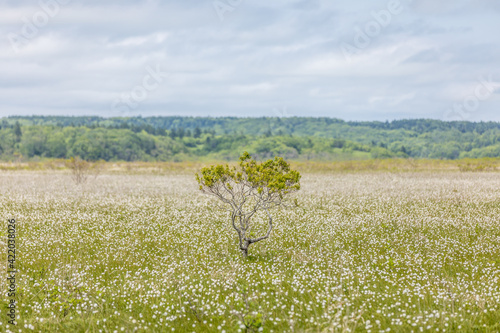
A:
189,138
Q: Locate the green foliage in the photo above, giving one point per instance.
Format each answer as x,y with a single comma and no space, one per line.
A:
189,139
274,175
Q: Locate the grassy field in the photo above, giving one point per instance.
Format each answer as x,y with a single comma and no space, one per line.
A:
366,251
392,165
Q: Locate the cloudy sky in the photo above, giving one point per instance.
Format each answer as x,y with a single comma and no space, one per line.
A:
355,60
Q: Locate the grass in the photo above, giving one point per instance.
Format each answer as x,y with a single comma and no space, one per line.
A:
362,165
136,251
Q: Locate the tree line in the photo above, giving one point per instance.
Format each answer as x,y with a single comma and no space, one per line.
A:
189,138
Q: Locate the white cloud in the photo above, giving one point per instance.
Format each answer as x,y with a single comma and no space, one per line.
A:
262,55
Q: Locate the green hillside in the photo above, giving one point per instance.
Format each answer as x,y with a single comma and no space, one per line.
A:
188,138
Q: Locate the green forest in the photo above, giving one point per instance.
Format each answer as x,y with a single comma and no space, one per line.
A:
190,139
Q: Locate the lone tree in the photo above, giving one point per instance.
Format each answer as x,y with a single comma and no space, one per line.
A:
79,169
249,188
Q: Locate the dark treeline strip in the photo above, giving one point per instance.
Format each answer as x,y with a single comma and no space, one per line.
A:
188,138
256,126
111,144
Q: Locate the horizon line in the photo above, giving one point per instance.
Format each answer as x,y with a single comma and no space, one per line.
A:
247,117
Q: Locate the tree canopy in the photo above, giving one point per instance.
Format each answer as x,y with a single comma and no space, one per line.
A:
188,138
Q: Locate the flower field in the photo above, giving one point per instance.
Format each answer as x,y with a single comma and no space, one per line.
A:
364,252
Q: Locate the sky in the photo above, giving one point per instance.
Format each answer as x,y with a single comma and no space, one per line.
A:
354,60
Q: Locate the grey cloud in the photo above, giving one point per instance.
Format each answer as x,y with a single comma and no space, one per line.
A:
262,56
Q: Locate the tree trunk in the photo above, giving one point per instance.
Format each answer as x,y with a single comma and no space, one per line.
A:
246,242
244,248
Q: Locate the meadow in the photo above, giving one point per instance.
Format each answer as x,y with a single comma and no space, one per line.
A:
366,251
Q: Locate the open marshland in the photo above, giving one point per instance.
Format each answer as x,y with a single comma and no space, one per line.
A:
364,252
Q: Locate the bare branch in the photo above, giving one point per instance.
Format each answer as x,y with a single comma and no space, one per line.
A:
251,241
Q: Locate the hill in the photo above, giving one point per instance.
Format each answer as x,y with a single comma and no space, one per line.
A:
189,138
